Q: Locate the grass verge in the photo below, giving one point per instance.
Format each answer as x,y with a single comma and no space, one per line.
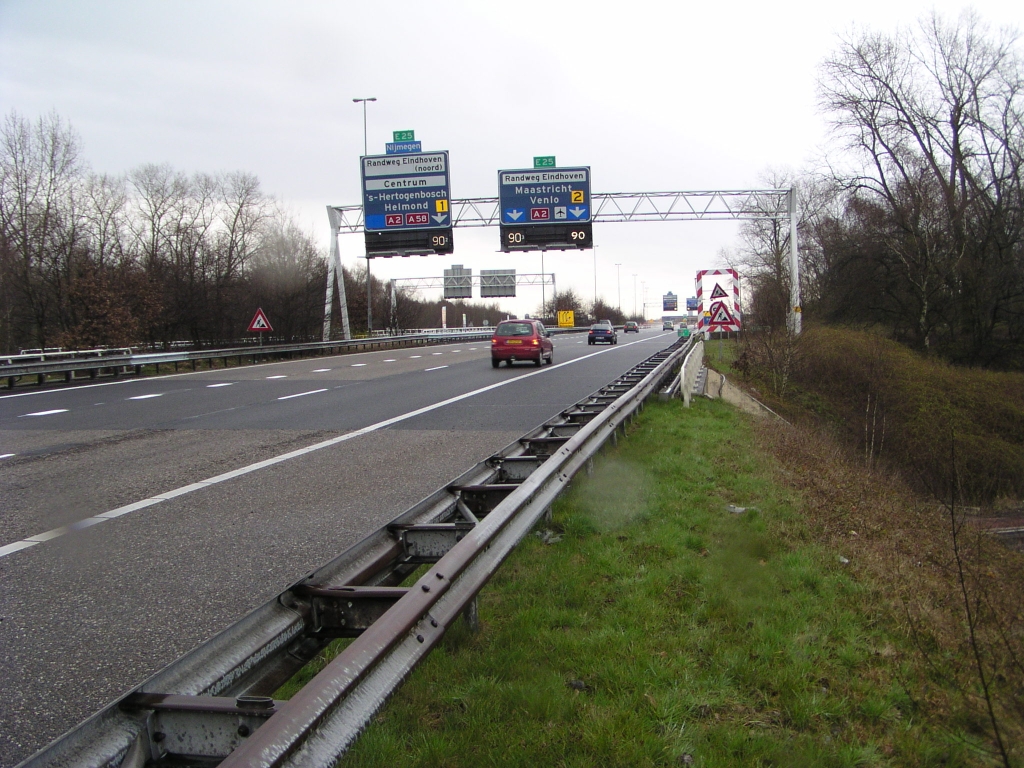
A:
661,628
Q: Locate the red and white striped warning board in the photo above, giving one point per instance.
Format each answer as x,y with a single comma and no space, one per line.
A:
720,316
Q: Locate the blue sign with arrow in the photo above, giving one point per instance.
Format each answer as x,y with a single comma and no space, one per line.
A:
544,196
406,191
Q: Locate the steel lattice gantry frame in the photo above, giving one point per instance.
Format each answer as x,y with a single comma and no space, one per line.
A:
615,207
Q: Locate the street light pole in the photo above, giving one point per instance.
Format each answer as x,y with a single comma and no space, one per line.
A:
369,292
595,276
634,294
363,101
618,280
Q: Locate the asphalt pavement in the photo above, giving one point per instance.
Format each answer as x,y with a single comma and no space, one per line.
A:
140,517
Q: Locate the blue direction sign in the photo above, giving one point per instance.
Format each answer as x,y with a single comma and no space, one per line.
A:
406,191
401,147
544,196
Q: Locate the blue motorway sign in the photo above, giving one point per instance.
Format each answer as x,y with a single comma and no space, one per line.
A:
544,196
401,147
407,191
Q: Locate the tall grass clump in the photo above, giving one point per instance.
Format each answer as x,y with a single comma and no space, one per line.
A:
912,413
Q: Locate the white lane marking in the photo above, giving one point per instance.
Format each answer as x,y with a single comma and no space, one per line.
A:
16,546
456,350
32,541
121,382
358,365
438,368
44,413
147,397
7,455
224,384
472,349
413,357
279,376
320,370
437,353
302,394
391,360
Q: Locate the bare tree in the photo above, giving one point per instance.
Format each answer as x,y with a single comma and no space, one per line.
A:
286,275
39,166
935,118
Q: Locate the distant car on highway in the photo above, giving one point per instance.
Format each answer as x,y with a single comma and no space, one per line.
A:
603,332
521,340
667,326
631,327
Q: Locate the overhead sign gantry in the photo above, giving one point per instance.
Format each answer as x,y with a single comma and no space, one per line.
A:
406,204
545,209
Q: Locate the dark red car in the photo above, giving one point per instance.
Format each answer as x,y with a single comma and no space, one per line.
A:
521,340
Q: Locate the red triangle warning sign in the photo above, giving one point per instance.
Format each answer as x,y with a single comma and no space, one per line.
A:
719,292
720,314
259,322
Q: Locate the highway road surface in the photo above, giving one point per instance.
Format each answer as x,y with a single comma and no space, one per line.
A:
140,517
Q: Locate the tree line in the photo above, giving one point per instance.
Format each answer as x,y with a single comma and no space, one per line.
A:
916,224
155,257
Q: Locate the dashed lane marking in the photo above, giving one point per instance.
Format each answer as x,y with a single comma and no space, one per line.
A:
44,413
39,538
302,394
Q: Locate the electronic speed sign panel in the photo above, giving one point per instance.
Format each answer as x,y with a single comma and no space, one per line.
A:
406,204
545,209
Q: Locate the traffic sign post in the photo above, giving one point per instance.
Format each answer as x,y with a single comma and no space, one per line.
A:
545,209
259,324
406,203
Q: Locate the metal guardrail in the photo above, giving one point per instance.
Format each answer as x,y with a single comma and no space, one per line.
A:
120,363
123,361
212,706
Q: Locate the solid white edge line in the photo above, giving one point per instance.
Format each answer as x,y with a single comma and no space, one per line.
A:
438,368
44,413
39,538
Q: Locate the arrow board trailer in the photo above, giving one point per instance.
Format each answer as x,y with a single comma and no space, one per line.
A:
545,209
406,204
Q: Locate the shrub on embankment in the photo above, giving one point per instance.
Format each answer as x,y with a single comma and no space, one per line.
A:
943,427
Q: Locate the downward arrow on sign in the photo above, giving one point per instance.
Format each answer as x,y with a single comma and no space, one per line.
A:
439,217
514,215
577,212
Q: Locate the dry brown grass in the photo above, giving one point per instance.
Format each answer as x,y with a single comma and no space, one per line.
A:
926,579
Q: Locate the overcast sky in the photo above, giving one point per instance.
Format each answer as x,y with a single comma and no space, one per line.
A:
653,96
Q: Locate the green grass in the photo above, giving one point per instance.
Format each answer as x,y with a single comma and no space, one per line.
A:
662,626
